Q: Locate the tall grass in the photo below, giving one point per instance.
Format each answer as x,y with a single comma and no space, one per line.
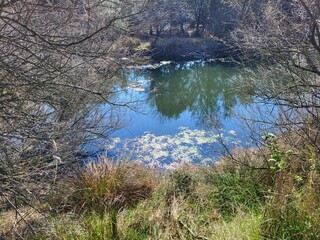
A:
293,209
103,189
187,206
70,227
113,184
243,199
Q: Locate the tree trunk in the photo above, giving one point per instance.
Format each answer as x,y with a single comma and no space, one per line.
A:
197,34
181,28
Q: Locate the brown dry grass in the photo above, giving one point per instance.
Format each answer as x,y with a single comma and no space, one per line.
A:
114,184
15,224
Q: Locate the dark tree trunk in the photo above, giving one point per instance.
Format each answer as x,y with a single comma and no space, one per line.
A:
197,34
181,28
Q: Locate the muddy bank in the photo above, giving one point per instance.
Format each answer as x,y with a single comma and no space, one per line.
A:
187,49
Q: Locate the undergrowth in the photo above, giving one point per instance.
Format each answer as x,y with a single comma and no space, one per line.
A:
251,198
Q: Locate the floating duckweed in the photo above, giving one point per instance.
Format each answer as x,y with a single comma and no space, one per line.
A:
170,151
233,132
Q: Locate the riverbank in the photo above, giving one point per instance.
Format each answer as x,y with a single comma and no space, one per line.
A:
187,49
128,201
265,194
150,50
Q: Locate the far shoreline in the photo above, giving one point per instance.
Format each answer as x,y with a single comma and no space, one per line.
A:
154,50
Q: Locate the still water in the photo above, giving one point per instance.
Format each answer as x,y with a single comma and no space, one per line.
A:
179,113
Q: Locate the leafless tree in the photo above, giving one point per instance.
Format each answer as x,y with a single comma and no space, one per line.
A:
281,42
57,63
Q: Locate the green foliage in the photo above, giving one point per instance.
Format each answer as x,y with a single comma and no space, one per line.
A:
222,202
278,158
101,190
98,227
131,234
188,206
242,226
233,192
291,221
68,227
183,183
293,208
313,158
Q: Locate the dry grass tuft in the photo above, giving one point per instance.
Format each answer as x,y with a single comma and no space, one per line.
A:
113,184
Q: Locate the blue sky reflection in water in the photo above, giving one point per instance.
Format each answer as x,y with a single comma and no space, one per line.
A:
177,110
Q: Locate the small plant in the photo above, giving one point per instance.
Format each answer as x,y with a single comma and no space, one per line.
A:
292,212
279,157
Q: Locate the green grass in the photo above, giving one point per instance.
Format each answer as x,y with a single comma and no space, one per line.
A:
69,227
186,206
297,218
126,201
233,192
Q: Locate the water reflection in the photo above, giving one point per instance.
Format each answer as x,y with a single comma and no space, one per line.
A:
208,92
183,102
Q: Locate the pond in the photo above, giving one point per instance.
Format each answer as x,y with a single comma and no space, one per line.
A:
179,114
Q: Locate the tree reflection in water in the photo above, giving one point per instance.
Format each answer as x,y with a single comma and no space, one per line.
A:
209,93
184,103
